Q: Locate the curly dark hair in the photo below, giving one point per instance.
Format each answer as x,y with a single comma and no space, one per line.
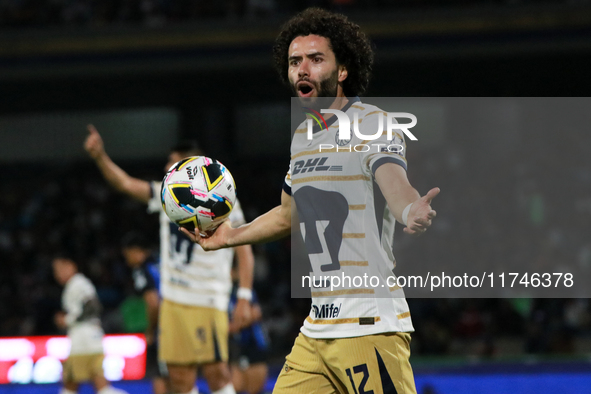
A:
351,47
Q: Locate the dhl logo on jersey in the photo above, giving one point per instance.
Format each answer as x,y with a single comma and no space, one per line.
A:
317,164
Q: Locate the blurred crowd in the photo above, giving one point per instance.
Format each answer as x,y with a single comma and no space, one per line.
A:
155,13
519,207
52,209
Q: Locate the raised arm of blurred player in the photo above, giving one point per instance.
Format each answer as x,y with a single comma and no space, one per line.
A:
241,316
268,227
113,174
152,300
399,193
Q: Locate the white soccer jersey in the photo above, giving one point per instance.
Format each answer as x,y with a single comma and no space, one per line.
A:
347,226
190,275
82,307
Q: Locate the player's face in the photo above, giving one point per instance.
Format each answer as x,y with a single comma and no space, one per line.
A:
134,256
63,270
313,69
173,158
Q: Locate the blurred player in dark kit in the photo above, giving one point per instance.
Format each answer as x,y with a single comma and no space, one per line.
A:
249,347
146,281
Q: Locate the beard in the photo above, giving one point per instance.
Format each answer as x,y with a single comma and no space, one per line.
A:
326,87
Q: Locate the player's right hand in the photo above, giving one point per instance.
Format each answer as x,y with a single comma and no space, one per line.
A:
214,241
94,143
242,314
59,320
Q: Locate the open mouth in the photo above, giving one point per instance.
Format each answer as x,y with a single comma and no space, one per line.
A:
305,89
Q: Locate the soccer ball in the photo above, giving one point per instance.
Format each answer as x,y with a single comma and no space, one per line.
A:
198,193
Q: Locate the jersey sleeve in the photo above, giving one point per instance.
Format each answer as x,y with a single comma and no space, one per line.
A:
287,182
155,204
237,216
72,305
381,150
80,297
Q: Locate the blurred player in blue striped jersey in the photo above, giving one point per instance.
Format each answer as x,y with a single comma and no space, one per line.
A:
249,347
146,281
346,345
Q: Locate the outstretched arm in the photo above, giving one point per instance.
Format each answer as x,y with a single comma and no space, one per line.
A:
268,227
113,174
399,193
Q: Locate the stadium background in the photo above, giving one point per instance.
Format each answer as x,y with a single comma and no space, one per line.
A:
148,73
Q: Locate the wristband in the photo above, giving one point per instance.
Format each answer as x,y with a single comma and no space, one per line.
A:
244,293
405,214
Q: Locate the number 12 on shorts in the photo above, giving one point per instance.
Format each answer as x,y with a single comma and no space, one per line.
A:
358,369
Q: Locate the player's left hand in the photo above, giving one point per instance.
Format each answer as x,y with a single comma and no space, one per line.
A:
60,320
242,316
421,214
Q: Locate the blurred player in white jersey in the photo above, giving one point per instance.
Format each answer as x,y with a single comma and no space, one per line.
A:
195,285
82,319
346,345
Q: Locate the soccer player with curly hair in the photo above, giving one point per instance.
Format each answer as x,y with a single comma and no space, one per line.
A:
355,340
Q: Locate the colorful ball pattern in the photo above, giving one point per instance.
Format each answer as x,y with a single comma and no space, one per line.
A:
198,193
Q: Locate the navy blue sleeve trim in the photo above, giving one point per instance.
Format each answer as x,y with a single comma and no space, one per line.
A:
286,188
384,160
